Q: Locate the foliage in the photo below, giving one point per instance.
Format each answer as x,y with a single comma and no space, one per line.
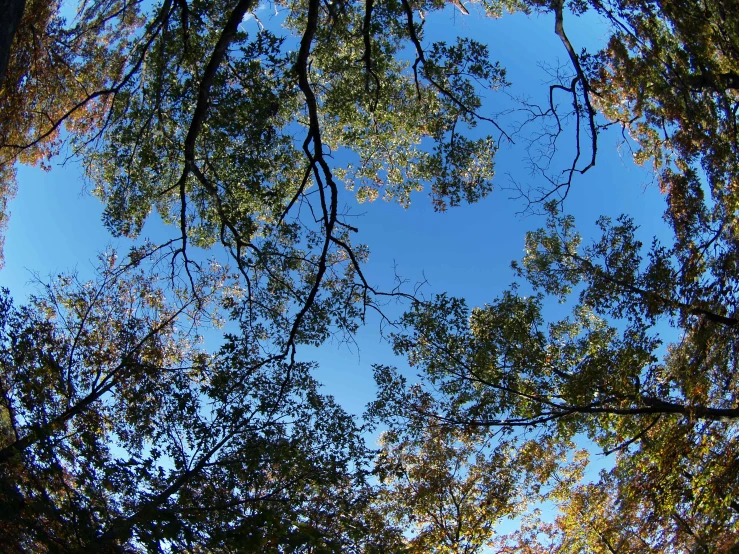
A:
451,488
206,134
58,74
668,414
119,434
669,75
183,112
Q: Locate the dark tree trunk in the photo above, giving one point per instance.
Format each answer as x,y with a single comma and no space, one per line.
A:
11,12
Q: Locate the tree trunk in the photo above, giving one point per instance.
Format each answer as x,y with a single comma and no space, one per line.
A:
12,12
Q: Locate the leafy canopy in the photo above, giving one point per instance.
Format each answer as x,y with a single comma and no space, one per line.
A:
118,433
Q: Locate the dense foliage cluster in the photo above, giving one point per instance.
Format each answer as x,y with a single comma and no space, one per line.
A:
119,433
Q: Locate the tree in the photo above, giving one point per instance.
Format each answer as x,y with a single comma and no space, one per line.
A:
452,508
666,77
56,74
119,434
671,421
193,117
451,488
669,75
206,135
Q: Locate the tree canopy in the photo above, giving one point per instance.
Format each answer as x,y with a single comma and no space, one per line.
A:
120,432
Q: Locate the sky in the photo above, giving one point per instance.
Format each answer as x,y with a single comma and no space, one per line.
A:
466,251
